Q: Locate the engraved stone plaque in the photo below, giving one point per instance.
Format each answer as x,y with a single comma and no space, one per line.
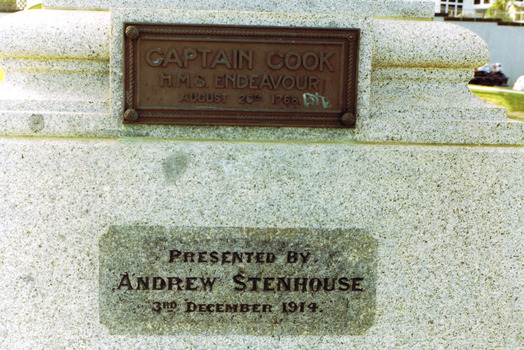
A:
231,75
219,280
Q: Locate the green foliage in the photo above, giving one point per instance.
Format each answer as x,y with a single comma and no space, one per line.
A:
500,5
514,102
498,10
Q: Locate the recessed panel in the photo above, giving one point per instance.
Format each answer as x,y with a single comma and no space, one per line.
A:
222,280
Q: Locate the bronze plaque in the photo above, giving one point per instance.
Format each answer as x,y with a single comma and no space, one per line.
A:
232,75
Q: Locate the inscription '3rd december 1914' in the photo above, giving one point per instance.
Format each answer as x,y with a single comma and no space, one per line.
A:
252,76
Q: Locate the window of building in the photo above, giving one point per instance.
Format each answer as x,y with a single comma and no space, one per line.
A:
477,2
452,7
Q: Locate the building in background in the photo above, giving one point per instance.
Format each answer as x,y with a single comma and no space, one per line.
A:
505,41
451,7
474,8
503,31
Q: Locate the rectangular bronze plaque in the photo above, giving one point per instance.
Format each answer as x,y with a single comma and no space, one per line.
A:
232,75
227,280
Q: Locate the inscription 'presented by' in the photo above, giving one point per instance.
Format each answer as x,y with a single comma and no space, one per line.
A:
246,281
225,75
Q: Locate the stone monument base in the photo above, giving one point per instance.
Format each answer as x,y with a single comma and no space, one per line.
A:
419,206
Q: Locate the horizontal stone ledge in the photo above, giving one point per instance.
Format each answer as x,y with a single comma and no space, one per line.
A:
391,8
425,44
368,130
41,34
53,65
435,131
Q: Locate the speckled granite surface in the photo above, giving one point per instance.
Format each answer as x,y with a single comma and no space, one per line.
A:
448,222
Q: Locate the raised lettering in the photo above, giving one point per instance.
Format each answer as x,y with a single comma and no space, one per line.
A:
203,52
269,60
220,58
189,54
154,61
245,56
324,57
292,60
165,77
310,60
172,57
